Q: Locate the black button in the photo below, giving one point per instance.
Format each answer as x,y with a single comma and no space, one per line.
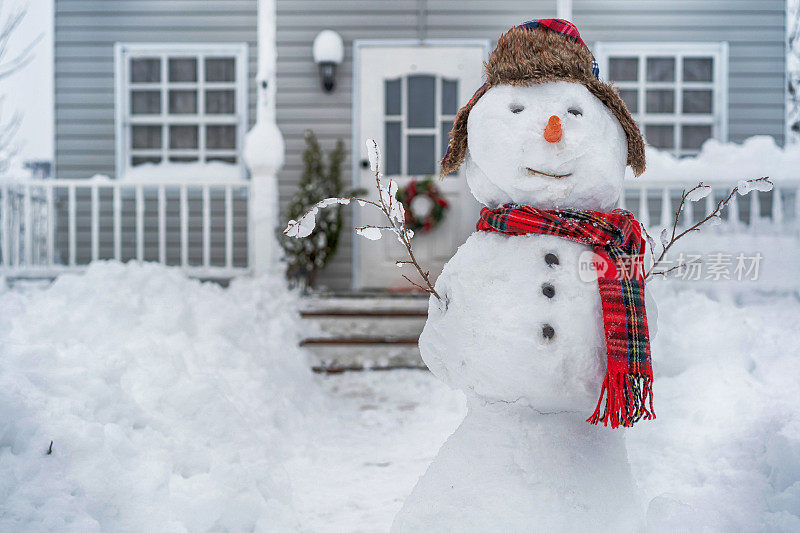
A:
548,290
548,332
551,259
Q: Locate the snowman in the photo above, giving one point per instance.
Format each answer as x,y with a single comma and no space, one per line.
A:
542,309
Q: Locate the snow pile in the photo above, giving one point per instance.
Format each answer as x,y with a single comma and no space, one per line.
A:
171,404
213,171
724,452
729,162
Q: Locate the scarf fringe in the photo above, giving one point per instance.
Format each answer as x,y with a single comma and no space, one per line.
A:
629,398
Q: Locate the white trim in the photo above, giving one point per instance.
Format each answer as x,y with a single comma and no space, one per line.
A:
122,117
717,119
355,144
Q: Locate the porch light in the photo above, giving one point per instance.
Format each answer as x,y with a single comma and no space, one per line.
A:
328,52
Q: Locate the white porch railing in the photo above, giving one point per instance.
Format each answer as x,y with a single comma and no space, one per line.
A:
654,203
51,226
206,228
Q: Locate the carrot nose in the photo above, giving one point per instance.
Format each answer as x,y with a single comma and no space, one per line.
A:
552,132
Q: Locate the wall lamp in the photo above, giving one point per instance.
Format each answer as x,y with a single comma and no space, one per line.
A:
328,52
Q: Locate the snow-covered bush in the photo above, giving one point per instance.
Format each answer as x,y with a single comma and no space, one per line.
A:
306,257
386,202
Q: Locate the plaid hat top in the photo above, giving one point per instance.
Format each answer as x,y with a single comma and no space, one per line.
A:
564,27
542,51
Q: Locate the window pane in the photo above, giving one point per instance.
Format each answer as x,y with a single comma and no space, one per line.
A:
449,97
445,133
141,159
220,69
145,102
420,101
146,137
182,102
145,70
181,159
183,137
697,101
623,68
421,158
220,102
183,69
220,137
391,101
631,98
660,136
392,148
660,101
660,69
698,69
693,137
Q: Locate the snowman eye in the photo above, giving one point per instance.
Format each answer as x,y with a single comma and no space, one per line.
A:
575,111
516,108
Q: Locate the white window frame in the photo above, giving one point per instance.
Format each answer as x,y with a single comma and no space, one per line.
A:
719,84
123,120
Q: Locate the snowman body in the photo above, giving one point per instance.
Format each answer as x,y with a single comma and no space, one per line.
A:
519,329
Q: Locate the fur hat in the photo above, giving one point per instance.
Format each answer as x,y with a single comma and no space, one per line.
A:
541,51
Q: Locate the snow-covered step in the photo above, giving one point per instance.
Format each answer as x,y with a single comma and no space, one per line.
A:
364,353
359,332
392,323
361,302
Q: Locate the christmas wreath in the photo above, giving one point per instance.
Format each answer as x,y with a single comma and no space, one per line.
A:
424,205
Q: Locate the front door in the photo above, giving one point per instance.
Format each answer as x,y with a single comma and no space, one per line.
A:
407,98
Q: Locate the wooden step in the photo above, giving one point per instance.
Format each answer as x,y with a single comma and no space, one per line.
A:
364,332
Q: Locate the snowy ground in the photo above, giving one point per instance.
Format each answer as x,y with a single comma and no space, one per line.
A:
385,430
174,405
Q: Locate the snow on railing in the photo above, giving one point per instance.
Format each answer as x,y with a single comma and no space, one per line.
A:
654,204
46,228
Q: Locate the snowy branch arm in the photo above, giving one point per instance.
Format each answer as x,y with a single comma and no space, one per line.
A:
698,192
387,203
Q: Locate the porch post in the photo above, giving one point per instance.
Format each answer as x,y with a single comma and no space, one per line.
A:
263,152
564,9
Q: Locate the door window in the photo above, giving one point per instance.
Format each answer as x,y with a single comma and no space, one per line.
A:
418,113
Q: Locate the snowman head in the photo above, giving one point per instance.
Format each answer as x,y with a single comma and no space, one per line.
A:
550,145
544,130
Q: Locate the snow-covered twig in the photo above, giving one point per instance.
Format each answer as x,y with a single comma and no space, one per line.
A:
387,203
698,192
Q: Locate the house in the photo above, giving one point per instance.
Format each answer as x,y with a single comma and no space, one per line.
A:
142,87
173,117
154,98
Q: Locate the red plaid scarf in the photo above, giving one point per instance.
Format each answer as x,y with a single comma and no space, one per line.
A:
616,239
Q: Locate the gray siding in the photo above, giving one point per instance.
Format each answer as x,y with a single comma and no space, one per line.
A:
85,31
